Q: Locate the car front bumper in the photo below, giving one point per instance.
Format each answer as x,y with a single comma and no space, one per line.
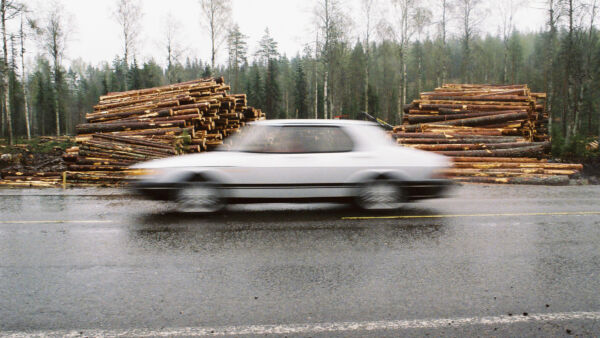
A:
427,189
155,191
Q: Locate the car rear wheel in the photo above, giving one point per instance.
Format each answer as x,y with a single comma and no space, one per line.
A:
380,194
200,196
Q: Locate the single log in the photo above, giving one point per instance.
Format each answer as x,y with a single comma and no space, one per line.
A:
478,107
132,140
508,171
470,122
547,180
461,139
490,97
498,159
78,167
86,128
132,148
152,132
472,146
488,91
101,161
413,119
531,151
485,120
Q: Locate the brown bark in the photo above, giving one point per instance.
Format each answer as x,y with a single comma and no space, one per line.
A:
531,151
86,128
414,119
472,146
545,180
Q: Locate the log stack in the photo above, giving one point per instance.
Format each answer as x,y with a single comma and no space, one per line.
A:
494,133
140,125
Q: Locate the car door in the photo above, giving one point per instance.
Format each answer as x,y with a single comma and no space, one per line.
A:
313,161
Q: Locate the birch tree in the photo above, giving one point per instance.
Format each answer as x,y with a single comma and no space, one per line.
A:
26,26
215,18
172,47
8,10
471,17
54,36
422,18
368,7
509,9
128,14
555,11
330,20
445,9
400,28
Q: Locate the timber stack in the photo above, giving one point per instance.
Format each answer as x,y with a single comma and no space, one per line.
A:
140,125
494,133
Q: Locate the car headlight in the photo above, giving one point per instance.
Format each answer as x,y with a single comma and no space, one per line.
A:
441,173
141,173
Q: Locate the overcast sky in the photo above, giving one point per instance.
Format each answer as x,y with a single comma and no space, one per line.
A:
95,34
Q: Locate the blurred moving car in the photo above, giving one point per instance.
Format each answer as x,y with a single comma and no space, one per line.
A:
298,160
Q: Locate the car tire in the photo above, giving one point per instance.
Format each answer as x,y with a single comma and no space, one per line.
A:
380,194
200,196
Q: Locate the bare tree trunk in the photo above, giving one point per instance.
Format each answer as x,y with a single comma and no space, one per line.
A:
5,71
549,62
325,97
571,97
366,89
368,4
399,100
2,120
212,46
419,73
24,82
57,105
315,79
316,108
404,85
444,56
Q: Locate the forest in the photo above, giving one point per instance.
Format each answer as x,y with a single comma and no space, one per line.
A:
378,70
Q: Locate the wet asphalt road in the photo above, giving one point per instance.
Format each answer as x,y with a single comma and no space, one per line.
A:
99,262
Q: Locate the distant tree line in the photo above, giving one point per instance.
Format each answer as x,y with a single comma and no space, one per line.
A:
383,68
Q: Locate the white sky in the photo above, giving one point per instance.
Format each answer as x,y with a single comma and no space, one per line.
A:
95,34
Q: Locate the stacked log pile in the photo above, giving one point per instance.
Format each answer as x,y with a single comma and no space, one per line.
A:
140,125
495,134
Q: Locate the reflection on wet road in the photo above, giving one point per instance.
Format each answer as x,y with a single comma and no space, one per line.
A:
97,259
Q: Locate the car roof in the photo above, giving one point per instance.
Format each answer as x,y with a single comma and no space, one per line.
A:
312,122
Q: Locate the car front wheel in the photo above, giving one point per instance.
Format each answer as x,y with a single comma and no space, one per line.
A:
380,194
200,197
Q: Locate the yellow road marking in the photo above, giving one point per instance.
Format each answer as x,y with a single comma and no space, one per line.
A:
59,221
566,213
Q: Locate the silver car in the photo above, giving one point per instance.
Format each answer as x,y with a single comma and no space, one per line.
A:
301,161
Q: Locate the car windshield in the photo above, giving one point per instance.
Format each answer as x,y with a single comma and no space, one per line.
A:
291,139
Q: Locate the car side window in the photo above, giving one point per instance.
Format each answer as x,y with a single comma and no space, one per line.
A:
311,139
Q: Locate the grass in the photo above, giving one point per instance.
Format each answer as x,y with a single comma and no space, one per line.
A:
35,145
